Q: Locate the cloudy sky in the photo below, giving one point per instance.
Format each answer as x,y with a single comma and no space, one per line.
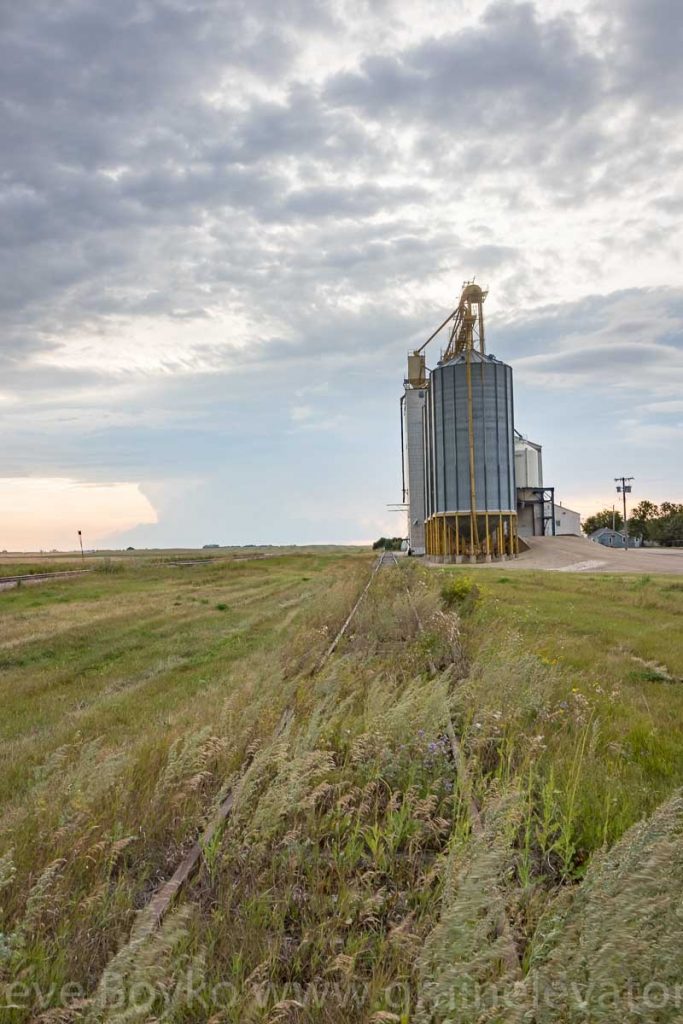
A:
225,222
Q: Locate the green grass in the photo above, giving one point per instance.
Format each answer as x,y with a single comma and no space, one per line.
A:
30,568
351,872
586,638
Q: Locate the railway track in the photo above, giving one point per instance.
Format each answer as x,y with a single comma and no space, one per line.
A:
153,914
379,564
151,917
510,953
7,582
29,579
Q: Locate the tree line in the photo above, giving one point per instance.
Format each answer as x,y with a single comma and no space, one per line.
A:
658,524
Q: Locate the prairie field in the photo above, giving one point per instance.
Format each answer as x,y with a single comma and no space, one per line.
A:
471,811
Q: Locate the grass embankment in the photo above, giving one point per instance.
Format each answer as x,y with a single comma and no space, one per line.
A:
601,657
26,568
351,882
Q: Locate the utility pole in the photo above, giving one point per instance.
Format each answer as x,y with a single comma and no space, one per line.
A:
80,541
624,488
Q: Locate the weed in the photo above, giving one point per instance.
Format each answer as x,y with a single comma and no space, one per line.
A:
460,592
110,567
646,675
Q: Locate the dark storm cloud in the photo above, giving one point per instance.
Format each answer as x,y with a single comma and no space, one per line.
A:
631,339
109,136
655,313
647,46
511,72
132,55
123,171
330,200
603,358
299,125
91,85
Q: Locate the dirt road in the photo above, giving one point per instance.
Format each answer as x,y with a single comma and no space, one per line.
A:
575,554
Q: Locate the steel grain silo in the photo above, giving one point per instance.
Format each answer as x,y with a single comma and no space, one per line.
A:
492,437
468,443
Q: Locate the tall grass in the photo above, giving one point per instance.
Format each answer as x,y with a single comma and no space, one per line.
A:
351,882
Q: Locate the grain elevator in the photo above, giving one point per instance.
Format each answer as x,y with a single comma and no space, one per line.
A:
459,445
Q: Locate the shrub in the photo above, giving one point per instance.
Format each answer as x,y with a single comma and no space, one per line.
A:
459,592
109,566
388,544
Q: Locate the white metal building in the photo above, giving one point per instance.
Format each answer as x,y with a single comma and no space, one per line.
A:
528,463
567,521
533,511
538,513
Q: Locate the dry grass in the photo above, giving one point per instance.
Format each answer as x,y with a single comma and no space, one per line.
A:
348,883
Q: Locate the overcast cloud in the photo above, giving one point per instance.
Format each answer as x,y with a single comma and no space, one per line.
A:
223,224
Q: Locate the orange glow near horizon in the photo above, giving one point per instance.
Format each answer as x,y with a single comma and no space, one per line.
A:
44,513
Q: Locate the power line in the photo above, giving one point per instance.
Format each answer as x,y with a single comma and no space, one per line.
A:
624,488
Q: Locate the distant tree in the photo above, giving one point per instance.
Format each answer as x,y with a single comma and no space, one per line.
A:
604,518
388,544
661,524
641,520
668,529
646,510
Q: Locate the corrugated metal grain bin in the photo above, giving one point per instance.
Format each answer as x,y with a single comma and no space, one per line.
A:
448,429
